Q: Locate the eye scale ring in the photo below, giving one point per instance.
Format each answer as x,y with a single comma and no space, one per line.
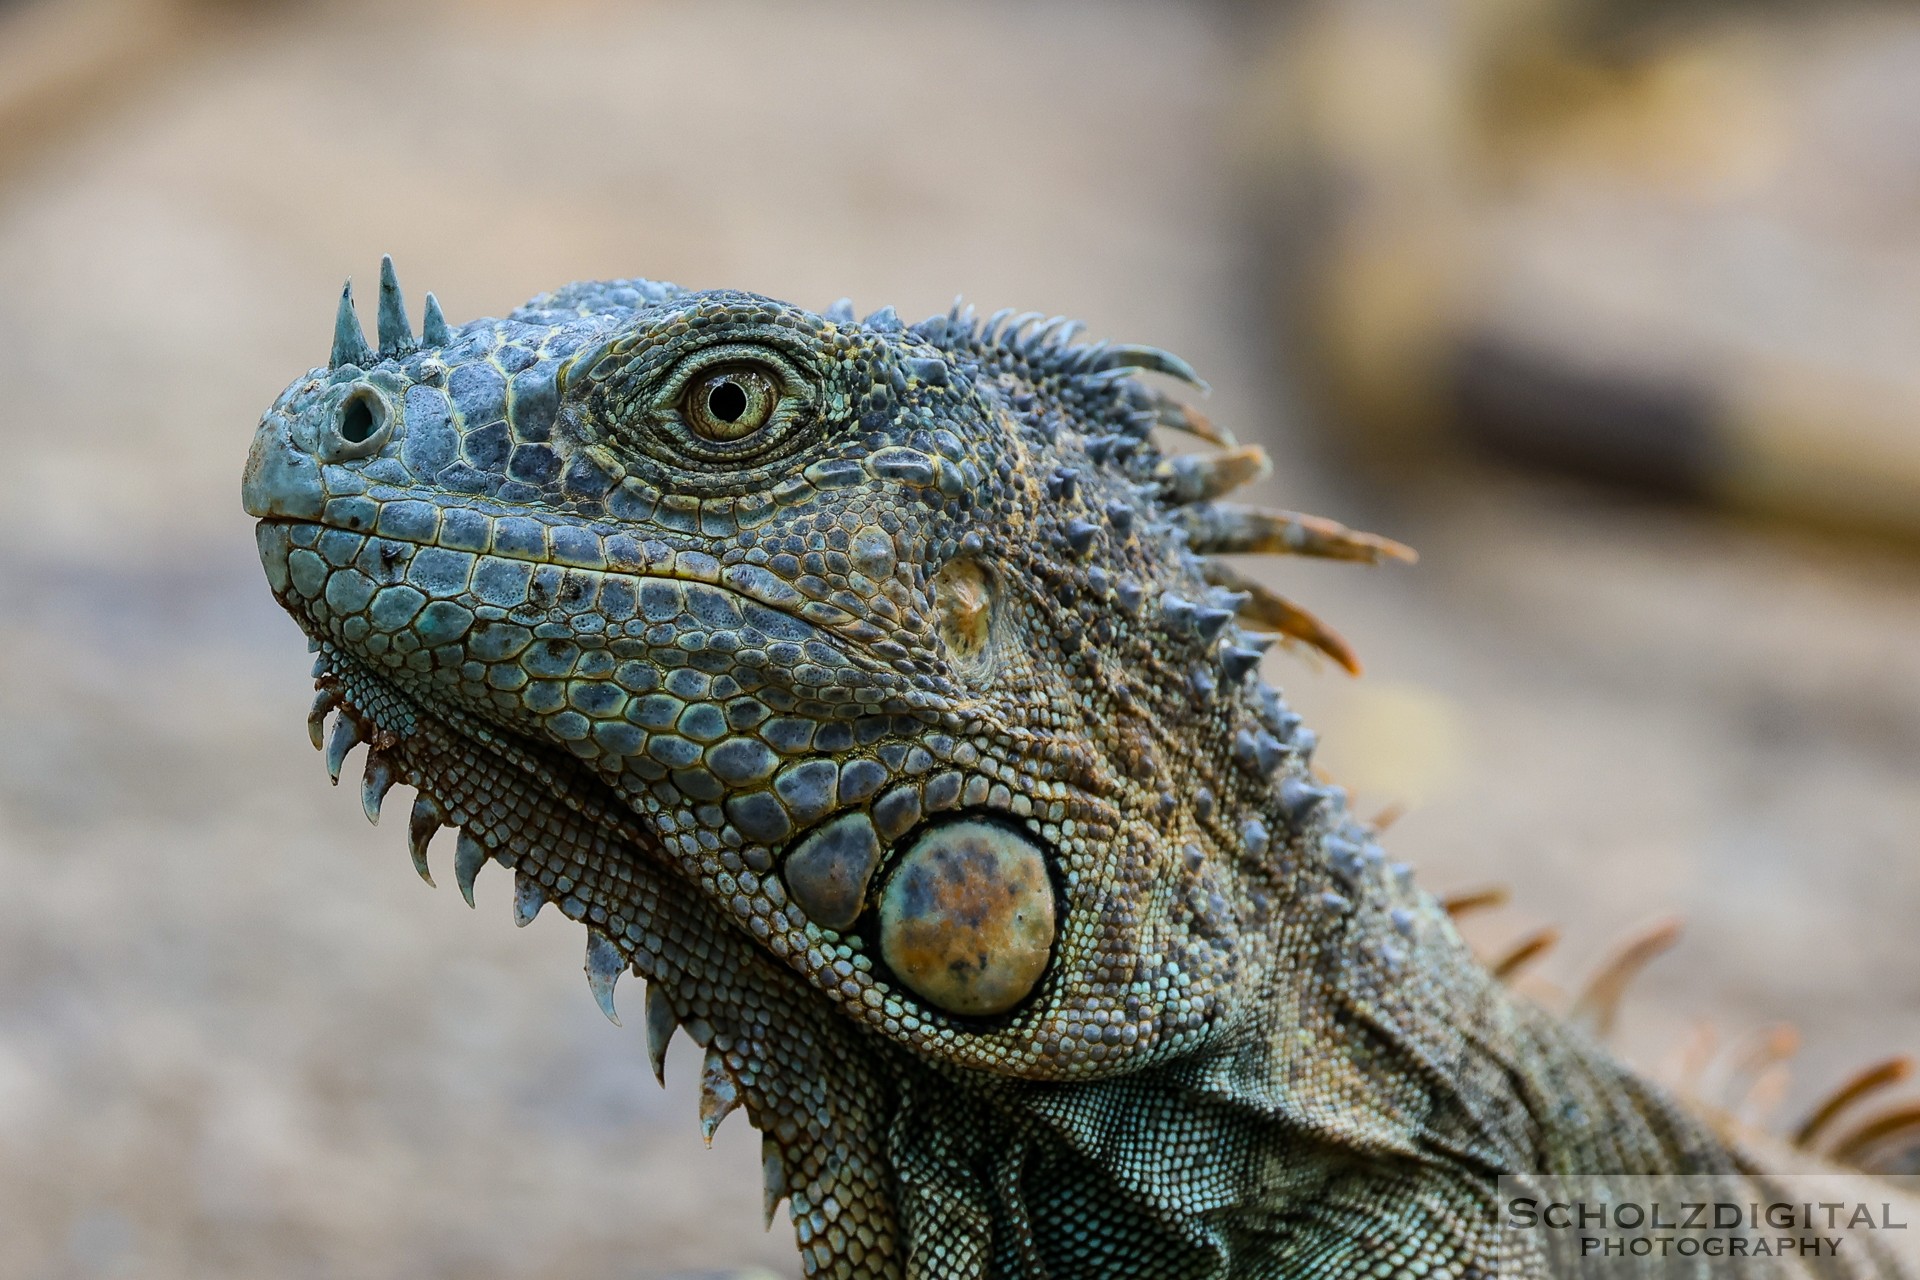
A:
730,403
967,917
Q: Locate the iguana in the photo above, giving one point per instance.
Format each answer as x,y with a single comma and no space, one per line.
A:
875,692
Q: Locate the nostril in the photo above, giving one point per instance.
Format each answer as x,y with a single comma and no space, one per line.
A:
360,423
356,421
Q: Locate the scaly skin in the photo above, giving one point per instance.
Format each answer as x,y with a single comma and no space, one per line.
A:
669,676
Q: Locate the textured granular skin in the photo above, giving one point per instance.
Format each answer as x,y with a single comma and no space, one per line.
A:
767,644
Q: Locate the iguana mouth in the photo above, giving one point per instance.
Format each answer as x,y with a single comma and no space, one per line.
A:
419,608
477,532
482,527
469,568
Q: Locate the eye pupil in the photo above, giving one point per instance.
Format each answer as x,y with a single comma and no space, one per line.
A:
728,405
727,400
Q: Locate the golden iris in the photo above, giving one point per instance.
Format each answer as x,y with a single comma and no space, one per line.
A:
730,403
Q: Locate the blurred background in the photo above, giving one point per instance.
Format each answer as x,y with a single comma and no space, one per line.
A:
1610,308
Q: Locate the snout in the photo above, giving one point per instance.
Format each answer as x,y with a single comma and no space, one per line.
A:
282,480
343,423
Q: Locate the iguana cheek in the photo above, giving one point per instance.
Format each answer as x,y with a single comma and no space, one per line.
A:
967,917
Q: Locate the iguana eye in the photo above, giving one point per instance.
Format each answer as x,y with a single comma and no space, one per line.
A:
967,917
730,403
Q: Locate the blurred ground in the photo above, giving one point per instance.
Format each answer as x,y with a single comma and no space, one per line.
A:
238,1038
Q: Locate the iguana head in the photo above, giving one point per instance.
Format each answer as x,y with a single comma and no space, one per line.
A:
868,688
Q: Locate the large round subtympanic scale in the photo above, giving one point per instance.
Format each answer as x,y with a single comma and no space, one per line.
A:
967,917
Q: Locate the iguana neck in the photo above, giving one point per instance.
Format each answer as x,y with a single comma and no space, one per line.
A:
1456,1069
